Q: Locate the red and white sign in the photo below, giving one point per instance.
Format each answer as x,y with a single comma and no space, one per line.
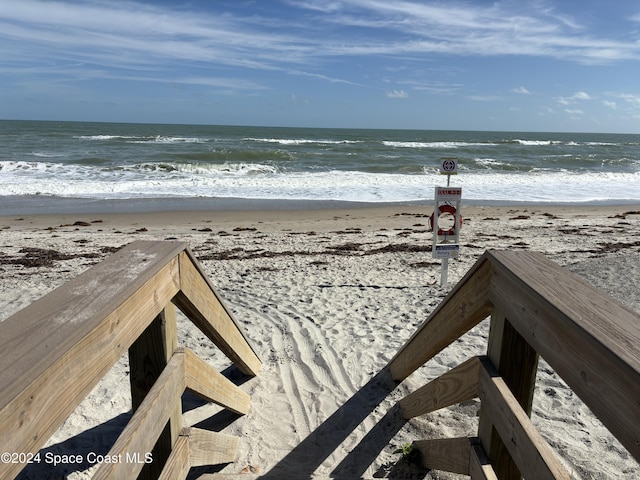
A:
448,194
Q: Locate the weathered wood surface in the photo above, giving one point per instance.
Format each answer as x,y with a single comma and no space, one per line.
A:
590,339
196,447
529,450
479,464
517,363
205,381
457,385
465,306
139,436
448,454
58,348
200,302
55,350
148,356
211,448
178,464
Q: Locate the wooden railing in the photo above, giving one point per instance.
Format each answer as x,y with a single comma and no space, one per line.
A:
536,309
57,349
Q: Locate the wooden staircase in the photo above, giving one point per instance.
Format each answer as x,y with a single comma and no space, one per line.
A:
57,349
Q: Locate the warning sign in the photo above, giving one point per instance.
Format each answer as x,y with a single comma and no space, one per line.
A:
448,194
446,251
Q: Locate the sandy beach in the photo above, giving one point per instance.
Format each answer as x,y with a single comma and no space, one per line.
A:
327,297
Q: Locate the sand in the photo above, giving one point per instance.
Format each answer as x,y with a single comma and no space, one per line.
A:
327,297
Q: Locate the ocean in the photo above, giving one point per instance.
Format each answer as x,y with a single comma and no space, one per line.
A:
62,163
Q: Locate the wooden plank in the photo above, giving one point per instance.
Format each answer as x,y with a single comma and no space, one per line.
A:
479,465
139,436
517,363
148,356
219,297
211,448
530,451
465,306
205,381
457,385
202,306
446,454
178,464
590,340
58,348
169,327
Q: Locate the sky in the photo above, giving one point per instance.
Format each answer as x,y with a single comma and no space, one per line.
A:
539,65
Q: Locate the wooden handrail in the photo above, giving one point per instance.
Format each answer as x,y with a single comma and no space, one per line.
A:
536,308
58,348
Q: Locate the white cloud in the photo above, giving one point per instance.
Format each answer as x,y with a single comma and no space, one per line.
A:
581,96
131,35
397,94
574,111
575,98
486,98
467,29
633,99
610,104
521,91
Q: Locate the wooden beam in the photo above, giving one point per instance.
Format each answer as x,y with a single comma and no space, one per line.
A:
178,464
148,356
140,434
200,303
465,306
517,363
588,338
205,381
479,465
530,451
446,454
457,385
211,448
58,348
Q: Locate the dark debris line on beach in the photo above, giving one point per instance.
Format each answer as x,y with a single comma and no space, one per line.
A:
346,249
33,257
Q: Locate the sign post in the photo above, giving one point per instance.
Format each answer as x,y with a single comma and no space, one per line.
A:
446,242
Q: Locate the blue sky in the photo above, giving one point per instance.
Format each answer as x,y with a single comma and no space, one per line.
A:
547,65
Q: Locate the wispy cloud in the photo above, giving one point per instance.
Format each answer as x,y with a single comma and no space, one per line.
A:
466,29
521,91
397,94
137,37
632,99
581,96
575,98
129,35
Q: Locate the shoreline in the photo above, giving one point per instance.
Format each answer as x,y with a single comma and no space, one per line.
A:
42,205
321,217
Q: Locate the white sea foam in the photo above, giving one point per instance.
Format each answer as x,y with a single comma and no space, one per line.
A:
139,139
99,137
533,143
434,144
488,162
164,139
266,182
48,154
300,141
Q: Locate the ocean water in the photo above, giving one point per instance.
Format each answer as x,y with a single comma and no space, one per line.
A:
70,160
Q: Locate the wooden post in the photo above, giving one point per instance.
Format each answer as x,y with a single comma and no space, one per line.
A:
517,363
148,356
